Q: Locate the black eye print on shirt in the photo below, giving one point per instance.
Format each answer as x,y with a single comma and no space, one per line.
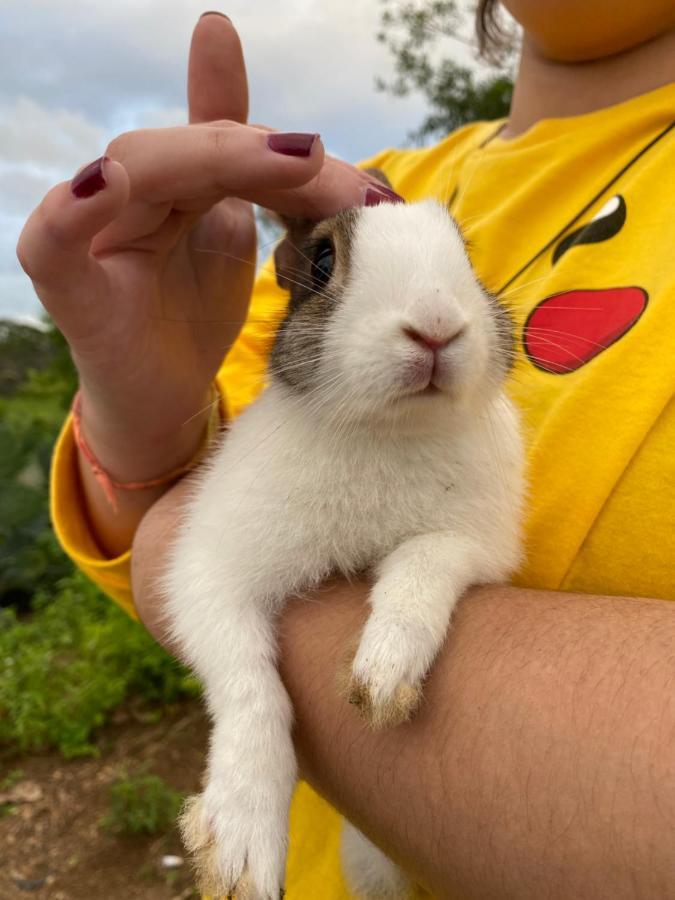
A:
604,225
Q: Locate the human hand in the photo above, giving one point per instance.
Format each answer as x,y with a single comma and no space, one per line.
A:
148,272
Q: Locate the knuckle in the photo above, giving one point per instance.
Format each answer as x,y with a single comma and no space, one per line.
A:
43,236
41,231
119,146
216,141
49,228
23,253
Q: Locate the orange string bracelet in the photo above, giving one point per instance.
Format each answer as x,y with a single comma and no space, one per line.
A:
110,486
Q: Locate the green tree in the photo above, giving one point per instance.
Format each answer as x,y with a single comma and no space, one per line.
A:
37,385
420,34
24,347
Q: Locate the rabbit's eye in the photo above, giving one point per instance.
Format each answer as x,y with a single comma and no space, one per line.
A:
322,265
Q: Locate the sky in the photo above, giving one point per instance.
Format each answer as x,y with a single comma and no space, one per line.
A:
75,73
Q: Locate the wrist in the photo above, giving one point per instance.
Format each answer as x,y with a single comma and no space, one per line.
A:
144,446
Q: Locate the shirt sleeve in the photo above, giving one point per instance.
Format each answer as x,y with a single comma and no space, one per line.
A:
71,524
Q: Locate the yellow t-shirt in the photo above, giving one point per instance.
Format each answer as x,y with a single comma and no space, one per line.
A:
572,224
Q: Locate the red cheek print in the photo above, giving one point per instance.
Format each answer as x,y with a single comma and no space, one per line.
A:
567,330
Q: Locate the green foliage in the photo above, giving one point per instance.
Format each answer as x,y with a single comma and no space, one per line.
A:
63,670
11,778
7,807
33,405
141,804
24,347
412,30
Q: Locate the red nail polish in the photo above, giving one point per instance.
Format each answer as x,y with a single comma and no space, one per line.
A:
292,143
90,180
375,197
392,195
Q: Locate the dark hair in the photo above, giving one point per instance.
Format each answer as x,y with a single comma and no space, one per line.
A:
494,41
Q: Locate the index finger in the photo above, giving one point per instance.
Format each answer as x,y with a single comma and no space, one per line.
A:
337,185
193,165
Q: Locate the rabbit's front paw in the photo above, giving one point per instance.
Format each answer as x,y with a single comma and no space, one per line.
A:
383,707
384,680
238,852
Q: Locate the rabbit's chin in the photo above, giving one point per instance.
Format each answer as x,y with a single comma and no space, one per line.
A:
415,396
401,413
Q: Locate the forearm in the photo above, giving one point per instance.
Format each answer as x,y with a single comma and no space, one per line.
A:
541,763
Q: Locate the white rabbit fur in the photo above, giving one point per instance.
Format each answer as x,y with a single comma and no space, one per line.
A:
345,463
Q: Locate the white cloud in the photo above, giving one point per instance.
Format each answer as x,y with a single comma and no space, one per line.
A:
75,72
56,138
18,299
21,190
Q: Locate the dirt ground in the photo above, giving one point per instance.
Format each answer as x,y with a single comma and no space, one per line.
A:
52,845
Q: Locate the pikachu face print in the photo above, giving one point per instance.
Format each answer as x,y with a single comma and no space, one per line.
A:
566,330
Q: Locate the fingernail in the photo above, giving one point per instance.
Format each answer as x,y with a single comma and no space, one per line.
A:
215,12
393,196
90,180
373,197
292,143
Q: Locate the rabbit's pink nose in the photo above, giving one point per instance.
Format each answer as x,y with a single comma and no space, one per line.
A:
434,343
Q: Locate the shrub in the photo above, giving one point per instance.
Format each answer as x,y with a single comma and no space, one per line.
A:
64,669
33,405
141,804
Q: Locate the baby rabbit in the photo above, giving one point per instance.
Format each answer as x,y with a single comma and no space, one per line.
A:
383,442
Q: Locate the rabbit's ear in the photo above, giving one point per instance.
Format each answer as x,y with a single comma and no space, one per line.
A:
289,260
379,175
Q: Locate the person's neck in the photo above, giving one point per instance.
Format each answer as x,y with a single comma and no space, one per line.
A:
546,89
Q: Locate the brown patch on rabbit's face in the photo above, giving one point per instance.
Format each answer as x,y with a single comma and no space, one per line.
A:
301,266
